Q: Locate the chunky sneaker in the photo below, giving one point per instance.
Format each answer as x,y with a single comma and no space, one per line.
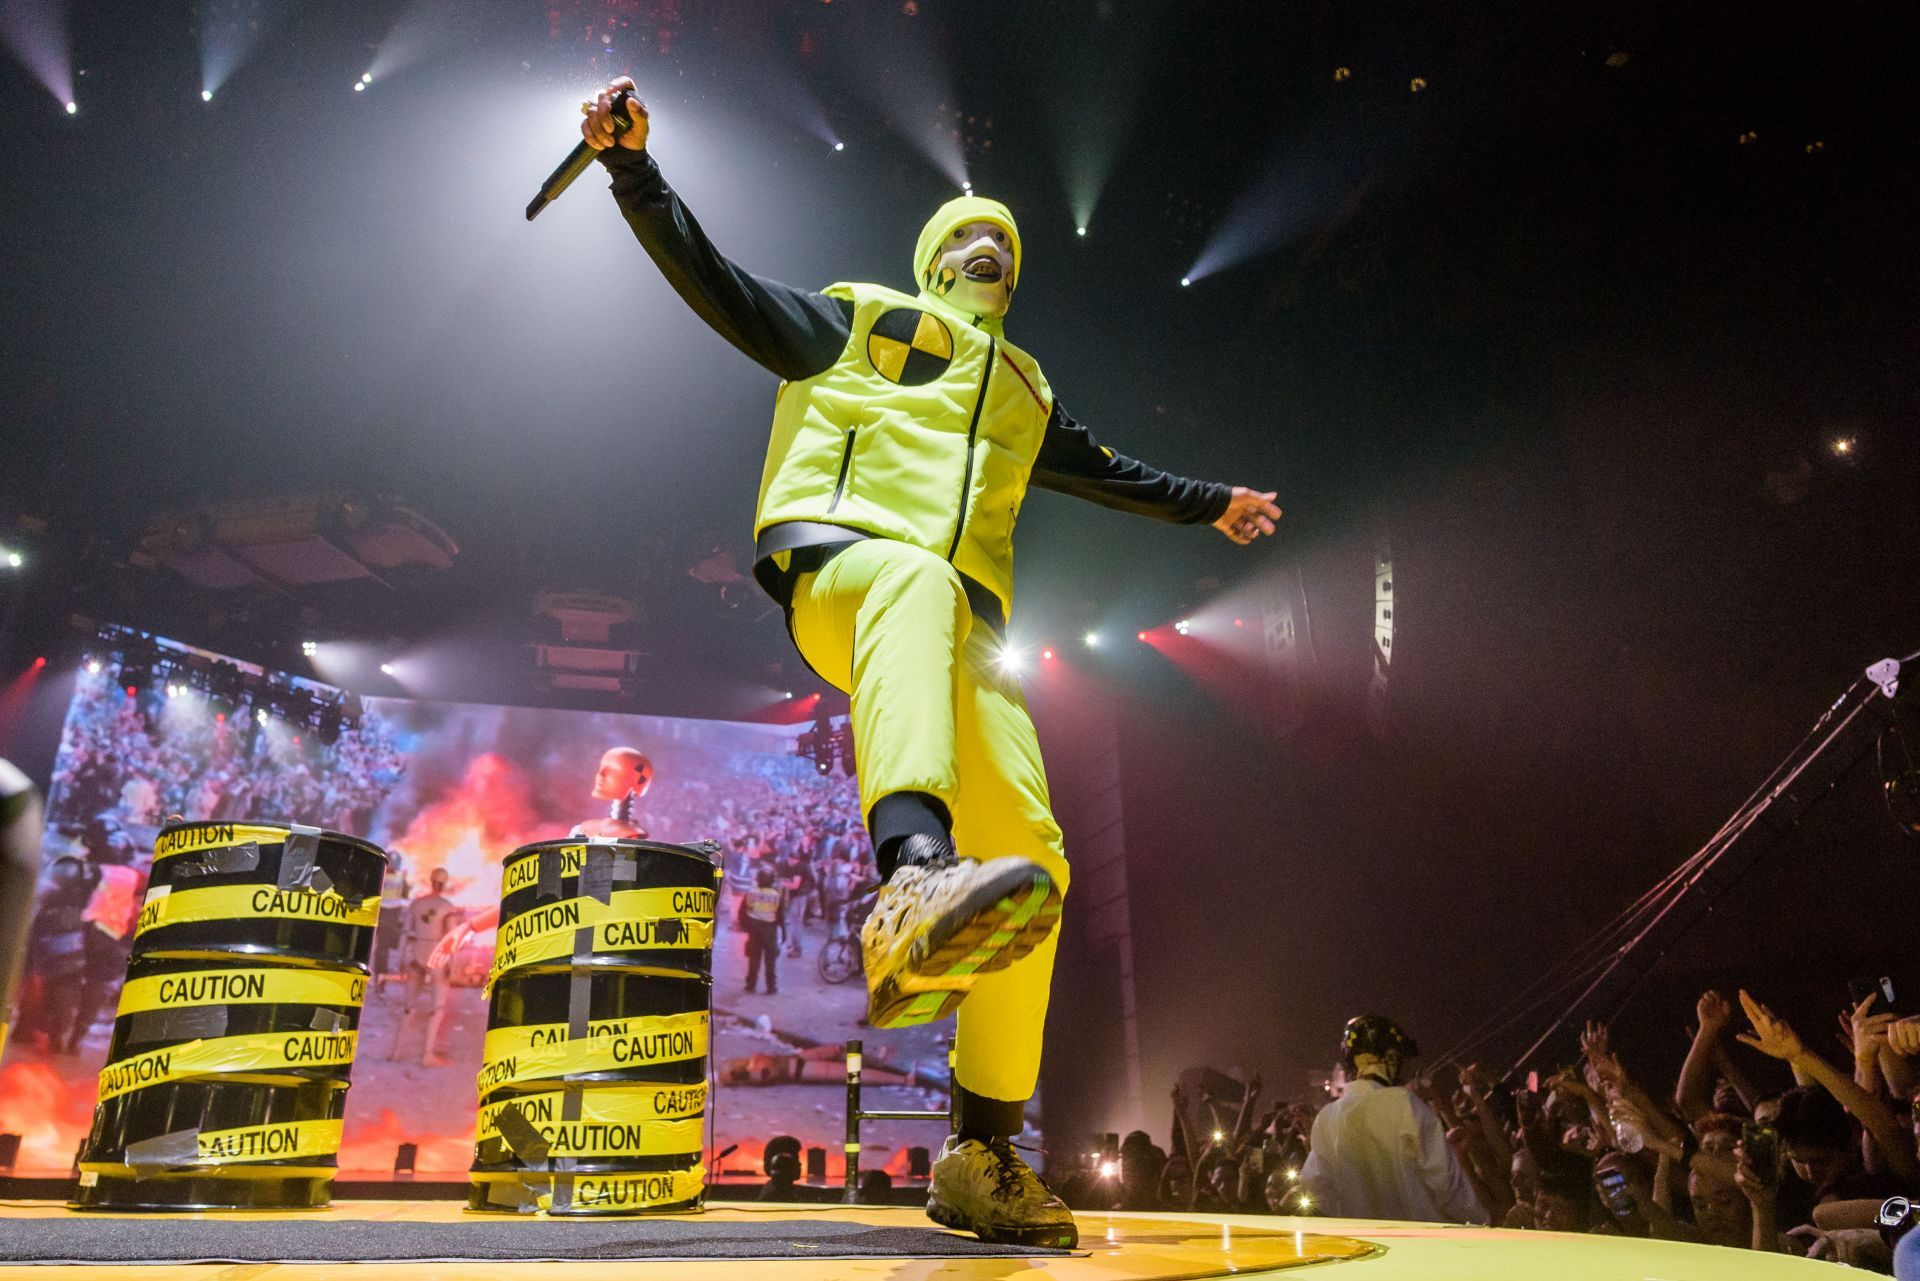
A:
941,921
986,1189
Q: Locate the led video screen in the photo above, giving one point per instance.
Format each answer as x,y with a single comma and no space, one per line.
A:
448,790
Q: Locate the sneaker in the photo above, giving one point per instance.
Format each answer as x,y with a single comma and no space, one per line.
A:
941,921
986,1189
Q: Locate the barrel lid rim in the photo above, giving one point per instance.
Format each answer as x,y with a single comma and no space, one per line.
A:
325,833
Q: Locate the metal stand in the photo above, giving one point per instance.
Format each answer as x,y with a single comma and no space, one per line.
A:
856,1114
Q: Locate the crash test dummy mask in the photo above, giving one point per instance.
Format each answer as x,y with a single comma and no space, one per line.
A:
623,771
969,256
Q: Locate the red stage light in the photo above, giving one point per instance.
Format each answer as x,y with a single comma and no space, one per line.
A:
219,718
1239,622
296,740
1047,654
40,662
130,691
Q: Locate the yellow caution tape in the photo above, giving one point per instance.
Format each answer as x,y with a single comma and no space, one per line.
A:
524,872
241,987
213,836
249,1053
612,1193
612,1122
632,920
542,1050
285,1141
166,906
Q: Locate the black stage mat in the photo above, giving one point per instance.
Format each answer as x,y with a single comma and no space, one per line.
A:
83,1238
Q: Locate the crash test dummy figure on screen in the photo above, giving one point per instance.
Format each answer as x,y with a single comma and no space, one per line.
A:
906,432
623,778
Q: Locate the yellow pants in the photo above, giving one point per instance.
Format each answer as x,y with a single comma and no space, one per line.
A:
933,712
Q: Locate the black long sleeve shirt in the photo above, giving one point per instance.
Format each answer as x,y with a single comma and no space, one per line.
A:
797,333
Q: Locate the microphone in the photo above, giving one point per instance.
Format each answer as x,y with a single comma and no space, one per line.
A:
577,161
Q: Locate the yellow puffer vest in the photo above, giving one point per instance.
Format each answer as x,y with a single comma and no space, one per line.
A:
923,431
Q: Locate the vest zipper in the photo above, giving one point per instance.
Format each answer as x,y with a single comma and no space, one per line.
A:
973,429
846,462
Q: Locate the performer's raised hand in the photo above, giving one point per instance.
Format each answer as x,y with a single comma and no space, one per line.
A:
1249,514
597,127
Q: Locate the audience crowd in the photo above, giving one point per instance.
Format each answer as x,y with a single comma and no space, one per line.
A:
1775,1146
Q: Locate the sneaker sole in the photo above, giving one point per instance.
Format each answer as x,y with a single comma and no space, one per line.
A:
1000,923
1052,1236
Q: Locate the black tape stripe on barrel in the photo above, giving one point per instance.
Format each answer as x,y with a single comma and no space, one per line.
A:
185,1023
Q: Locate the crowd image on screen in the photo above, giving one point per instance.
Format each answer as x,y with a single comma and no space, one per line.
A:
1769,1138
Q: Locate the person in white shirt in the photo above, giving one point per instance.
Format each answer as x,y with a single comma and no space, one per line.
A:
1378,1151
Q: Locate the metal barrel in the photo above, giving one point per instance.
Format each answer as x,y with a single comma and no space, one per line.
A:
297,895
593,1085
227,1073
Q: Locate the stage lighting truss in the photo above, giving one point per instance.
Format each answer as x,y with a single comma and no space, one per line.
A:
826,742
139,662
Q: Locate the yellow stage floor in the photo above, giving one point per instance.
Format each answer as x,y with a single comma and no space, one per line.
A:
1113,1247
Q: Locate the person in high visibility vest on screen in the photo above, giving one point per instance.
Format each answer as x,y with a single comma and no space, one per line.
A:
763,910
906,432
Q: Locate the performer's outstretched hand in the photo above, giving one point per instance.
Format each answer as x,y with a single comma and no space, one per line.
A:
597,128
1249,515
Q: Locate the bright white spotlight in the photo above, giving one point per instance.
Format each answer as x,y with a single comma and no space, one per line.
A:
1184,626
386,669
72,108
1185,281
1093,640
366,77
1843,446
788,695
967,187
93,667
309,648
839,146
359,86
206,95
260,715
1079,231
173,691
1012,661
15,560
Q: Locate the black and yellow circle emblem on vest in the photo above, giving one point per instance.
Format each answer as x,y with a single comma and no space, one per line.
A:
909,346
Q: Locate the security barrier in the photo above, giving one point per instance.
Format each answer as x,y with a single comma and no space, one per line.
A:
593,1084
226,1078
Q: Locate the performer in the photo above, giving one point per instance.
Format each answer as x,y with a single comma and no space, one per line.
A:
431,919
905,435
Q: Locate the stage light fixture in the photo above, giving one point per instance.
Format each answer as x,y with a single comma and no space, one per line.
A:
260,715
1011,661
206,95
1239,622
73,108
366,77
386,669
1843,446
15,560
1047,654
1141,637
93,667
309,648
173,691
1093,640
1293,1175
1219,1136
39,662
1184,626
839,146
359,86
1109,1169
1185,281
1079,231
788,696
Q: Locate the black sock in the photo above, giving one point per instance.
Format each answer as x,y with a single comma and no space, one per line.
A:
982,1119
899,815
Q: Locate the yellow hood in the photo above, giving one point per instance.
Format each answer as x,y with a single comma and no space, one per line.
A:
955,213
